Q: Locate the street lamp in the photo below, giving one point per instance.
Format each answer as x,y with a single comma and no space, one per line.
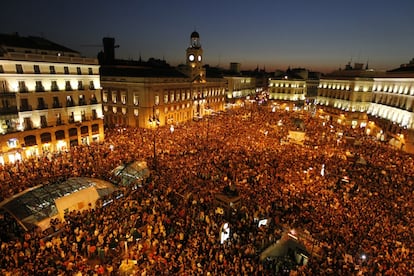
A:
154,121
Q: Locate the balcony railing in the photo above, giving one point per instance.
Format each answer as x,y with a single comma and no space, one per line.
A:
42,106
8,110
25,108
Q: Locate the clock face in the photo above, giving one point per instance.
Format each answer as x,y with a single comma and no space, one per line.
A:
191,57
199,58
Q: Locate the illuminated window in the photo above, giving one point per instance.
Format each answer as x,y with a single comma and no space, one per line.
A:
123,98
136,112
105,96
166,98
157,99
136,100
12,143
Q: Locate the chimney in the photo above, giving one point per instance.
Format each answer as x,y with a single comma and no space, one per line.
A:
109,50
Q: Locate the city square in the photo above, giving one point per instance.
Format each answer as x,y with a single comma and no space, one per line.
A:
353,218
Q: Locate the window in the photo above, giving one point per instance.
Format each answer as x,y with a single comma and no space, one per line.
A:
78,70
136,112
80,85
94,114
157,100
94,100
58,119
71,117
24,105
19,68
54,86
39,86
136,100
172,97
22,87
3,86
68,86
105,96
43,121
83,115
90,72
166,98
91,85
36,69
66,70
114,96
123,98
56,103
41,104
69,101
27,123
82,100
52,69
12,143
1,69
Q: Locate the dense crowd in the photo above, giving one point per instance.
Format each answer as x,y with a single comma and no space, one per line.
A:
358,216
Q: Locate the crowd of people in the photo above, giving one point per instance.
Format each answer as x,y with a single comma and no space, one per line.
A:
357,216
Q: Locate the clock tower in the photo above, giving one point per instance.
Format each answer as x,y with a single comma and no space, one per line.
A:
194,58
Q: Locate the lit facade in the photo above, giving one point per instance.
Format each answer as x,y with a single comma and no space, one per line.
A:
138,93
50,98
288,86
240,86
382,102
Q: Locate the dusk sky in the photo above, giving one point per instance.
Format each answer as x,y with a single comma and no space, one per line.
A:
320,35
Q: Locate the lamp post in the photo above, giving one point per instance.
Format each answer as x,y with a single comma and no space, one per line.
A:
154,121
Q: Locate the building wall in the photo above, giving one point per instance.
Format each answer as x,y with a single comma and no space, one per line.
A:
137,101
44,94
240,87
287,90
383,104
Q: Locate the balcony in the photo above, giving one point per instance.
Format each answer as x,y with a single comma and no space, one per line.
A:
23,89
42,107
8,110
25,108
40,88
56,105
82,102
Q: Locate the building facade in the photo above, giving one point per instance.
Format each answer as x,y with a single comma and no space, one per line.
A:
142,94
381,102
50,98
